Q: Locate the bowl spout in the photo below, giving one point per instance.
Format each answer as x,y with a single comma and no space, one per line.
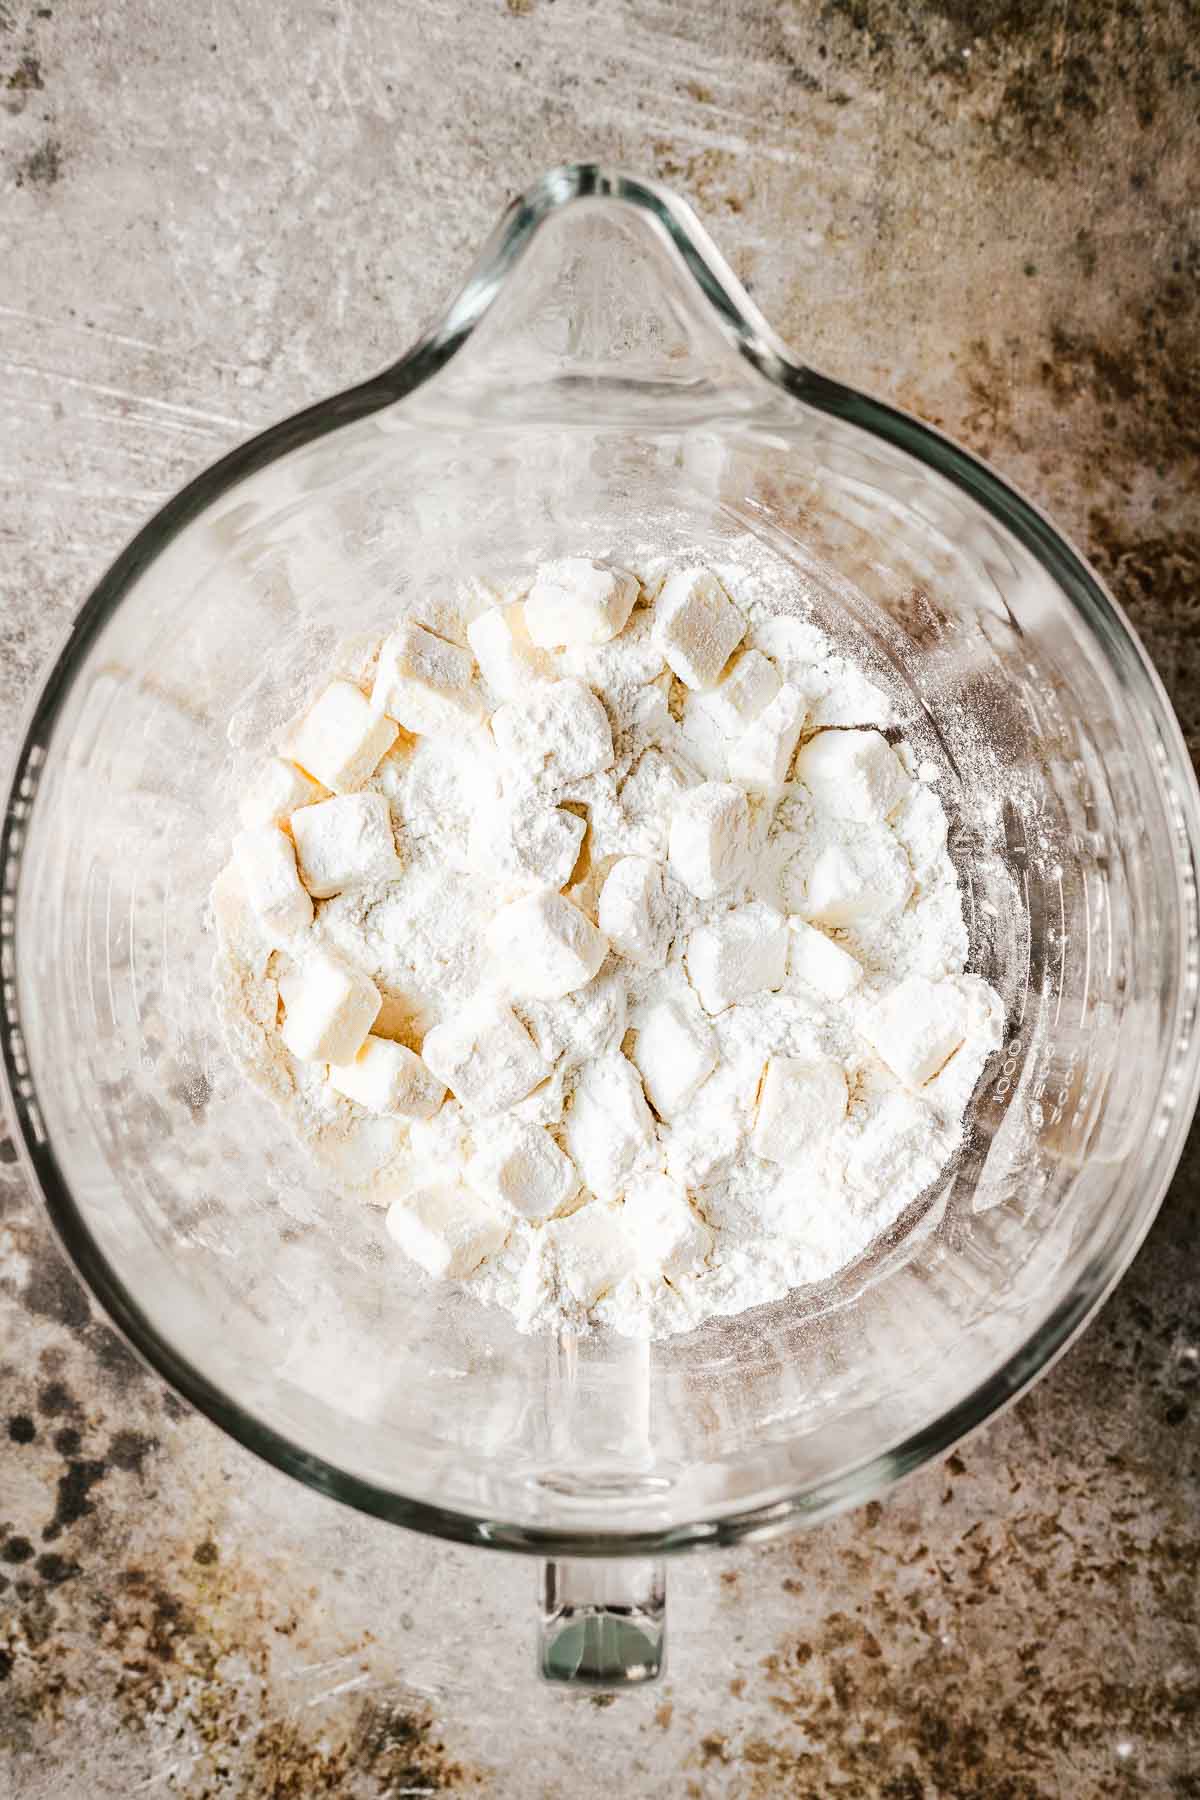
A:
597,295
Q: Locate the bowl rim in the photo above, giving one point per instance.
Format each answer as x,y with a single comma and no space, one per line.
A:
744,328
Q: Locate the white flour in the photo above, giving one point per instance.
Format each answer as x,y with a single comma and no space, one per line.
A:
673,1215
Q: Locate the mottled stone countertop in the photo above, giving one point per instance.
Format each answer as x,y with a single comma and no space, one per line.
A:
986,210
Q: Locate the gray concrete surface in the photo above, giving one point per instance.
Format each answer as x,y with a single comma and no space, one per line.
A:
211,214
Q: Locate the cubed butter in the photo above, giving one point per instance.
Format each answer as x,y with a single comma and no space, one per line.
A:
240,931
761,757
748,685
265,859
593,1251
742,953
344,843
486,1058
447,1231
558,732
507,656
917,1027
634,913
576,601
710,838
609,1125
855,774
669,1237
867,877
519,1168
648,796
341,740
535,845
697,626
675,1052
818,963
385,1077
448,607
275,791
329,1007
424,683
802,1099
902,1143
544,946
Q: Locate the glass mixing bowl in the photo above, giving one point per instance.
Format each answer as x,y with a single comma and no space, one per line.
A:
600,381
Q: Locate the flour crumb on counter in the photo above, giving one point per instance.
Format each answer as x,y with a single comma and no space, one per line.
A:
627,918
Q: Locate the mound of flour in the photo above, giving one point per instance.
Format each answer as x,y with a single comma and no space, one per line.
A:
739,967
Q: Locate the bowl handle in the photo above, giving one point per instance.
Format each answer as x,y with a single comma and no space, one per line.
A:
602,1624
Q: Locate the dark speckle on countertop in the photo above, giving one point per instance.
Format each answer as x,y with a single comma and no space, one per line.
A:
43,167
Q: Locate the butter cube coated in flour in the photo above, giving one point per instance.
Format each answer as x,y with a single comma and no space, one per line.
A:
855,774
425,683
275,791
240,932
447,1231
761,757
741,954
519,1168
544,946
648,796
801,1101
866,877
710,838
917,1027
593,1251
576,601
675,1052
900,1144
344,843
486,1058
634,912
609,1124
386,1077
507,656
266,861
819,963
748,685
341,740
697,626
329,1007
536,845
558,732
669,1236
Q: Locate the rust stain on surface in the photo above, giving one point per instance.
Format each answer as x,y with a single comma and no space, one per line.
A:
1156,577
43,167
